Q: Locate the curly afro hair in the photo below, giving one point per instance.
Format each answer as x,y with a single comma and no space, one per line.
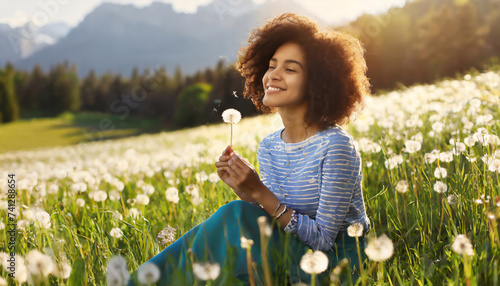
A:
337,84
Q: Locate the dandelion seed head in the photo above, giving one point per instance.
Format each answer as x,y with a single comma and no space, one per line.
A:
380,248
231,115
452,200
462,245
167,235
142,199
440,187
440,173
206,271
148,273
355,230
116,232
39,264
314,262
172,195
402,186
100,196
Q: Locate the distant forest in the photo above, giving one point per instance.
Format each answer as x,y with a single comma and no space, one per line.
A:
420,43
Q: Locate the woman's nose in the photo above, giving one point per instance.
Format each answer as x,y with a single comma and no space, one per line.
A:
275,74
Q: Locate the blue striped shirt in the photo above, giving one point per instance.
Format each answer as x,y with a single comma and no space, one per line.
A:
319,178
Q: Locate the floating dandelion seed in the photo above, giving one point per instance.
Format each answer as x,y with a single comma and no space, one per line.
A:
232,116
380,249
234,93
355,230
461,245
206,271
314,262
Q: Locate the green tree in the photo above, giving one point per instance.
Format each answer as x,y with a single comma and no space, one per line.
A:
63,89
192,102
9,106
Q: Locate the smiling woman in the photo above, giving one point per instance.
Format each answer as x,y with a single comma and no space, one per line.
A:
310,171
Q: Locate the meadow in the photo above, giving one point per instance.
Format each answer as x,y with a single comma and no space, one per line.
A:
431,163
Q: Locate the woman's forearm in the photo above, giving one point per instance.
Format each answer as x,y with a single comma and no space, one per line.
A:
269,201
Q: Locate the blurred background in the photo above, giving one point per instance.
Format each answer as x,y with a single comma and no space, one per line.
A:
78,71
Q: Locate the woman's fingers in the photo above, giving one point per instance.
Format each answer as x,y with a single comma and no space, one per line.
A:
236,160
221,164
224,158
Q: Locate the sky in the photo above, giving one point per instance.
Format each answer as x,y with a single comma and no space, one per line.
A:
18,12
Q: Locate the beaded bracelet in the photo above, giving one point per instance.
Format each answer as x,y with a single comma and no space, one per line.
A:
279,204
284,211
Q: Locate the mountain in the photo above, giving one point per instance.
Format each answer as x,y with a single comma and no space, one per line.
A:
117,38
21,42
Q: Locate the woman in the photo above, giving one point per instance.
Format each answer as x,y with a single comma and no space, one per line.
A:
311,173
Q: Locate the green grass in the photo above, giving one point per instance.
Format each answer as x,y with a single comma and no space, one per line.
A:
421,223
68,129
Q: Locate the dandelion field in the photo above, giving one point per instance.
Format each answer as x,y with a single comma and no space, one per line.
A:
431,163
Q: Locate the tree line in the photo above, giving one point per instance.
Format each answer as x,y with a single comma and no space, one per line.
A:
419,43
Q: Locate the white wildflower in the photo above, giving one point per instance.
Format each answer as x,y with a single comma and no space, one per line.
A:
452,200
148,189
172,195
117,273
446,156
314,262
412,146
355,230
201,177
39,264
100,196
213,177
167,235
148,273
402,186
231,116
462,246
380,249
62,270
429,158
438,127
116,232
80,202
206,271
133,212
142,199
440,173
440,187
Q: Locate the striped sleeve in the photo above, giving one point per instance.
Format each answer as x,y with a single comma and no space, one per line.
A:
341,170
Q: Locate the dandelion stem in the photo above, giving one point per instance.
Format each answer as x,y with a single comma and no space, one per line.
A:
361,272
313,278
249,265
231,142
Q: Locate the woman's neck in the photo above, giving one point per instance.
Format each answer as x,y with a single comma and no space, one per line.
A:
295,128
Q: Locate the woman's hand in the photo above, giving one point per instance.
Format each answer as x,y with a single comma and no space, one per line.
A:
243,175
222,166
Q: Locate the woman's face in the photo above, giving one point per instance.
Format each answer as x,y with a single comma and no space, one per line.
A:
285,80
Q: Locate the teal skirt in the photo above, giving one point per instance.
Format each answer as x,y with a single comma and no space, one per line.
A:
218,239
